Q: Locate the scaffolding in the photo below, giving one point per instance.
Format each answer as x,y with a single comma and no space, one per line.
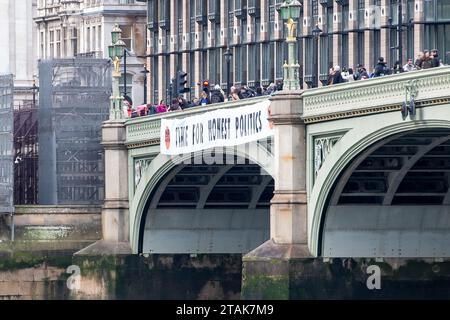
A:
26,153
73,103
6,148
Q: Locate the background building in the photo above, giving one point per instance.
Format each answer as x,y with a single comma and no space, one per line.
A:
69,28
17,43
192,35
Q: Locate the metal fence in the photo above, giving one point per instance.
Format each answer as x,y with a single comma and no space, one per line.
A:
6,144
73,103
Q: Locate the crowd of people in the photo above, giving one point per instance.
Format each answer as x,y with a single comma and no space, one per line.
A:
425,60
207,96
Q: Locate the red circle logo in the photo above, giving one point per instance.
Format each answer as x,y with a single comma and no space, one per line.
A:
167,138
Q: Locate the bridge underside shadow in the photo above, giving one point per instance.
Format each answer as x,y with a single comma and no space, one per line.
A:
393,200
199,208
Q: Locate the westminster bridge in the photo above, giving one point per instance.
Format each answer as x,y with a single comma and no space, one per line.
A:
355,170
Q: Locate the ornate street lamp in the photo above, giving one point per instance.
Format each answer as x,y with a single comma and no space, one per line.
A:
145,72
228,56
290,11
316,34
116,33
115,52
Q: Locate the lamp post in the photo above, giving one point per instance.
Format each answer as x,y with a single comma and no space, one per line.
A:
145,72
290,11
34,88
316,33
116,52
125,53
228,56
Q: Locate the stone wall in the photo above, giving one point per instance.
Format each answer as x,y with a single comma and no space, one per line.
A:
159,277
44,275
57,227
26,275
346,279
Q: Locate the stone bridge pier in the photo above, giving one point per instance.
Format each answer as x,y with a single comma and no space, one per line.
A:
288,207
267,269
115,210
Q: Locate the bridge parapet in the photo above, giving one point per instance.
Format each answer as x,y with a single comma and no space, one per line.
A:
376,95
146,130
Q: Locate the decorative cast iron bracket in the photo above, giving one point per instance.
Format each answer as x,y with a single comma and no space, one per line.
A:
409,106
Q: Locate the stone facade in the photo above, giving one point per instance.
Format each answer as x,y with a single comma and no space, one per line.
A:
193,36
18,42
68,28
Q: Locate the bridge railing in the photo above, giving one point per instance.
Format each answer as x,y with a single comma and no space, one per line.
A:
146,130
375,95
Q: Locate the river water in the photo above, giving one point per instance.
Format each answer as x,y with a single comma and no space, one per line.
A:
60,275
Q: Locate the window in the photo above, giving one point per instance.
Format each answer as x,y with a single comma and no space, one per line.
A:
200,8
127,36
329,19
269,64
271,4
99,38
152,14
252,65
360,49
52,44
204,65
377,45
192,25
393,37
166,76
164,14
279,60
238,64
344,50
344,18
42,47
309,60
361,12
437,36
129,86
315,12
64,36
94,39
437,10
154,80
74,41
191,74
394,11
58,43
323,72
230,21
88,39
213,66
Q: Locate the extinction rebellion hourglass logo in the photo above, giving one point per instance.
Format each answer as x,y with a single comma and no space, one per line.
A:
167,138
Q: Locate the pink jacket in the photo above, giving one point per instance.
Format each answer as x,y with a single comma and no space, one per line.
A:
161,108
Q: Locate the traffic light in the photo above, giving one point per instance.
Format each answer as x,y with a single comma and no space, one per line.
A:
181,82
